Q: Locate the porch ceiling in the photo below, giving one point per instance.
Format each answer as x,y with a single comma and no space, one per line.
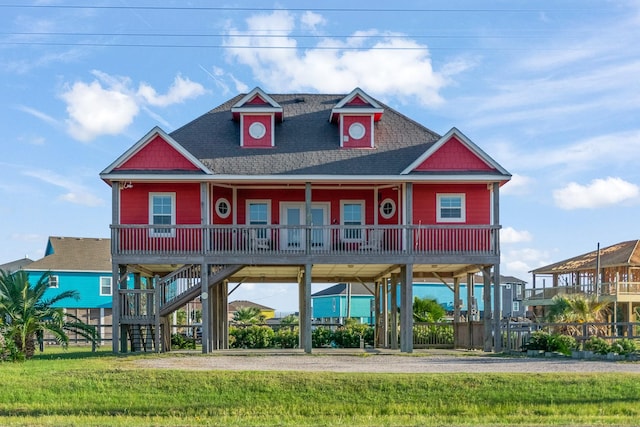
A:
324,273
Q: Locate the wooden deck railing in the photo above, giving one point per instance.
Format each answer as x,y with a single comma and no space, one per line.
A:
603,289
290,240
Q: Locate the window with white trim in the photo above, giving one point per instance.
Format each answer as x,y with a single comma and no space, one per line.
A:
352,214
162,211
258,213
515,306
387,208
451,208
105,286
223,207
54,282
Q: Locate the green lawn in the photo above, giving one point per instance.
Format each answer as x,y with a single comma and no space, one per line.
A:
80,388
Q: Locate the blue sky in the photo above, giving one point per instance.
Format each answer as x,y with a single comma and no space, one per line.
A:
550,89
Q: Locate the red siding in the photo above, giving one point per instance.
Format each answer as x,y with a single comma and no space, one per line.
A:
297,195
248,140
388,193
157,154
134,202
357,101
477,202
257,100
348,141
218,193
453,155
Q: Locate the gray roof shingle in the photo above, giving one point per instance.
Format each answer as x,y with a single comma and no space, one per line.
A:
307,143
75,254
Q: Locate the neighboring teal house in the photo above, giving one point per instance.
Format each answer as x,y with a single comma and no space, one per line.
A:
83,265
355,300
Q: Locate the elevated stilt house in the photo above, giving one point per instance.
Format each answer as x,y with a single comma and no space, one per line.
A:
611,273
295,188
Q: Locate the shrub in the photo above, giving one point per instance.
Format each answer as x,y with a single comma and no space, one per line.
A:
286,338
349,336
539,340
597,345
562,343
253,336
179,341
321,337
624,346
9,352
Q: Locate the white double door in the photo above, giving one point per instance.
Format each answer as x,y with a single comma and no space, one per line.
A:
292,215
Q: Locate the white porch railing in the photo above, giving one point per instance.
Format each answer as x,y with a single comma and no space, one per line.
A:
276,240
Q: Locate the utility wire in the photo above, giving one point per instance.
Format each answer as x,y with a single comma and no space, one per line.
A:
311,9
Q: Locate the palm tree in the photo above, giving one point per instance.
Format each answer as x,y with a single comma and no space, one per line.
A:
579,308
427,310
248,316
25,313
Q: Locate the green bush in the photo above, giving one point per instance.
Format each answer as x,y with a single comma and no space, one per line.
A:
562,343
321,337
349,336
179,341
253,336
597,345
9,352
286,338
624,346
539,340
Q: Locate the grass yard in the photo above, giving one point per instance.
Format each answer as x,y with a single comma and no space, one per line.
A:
101,389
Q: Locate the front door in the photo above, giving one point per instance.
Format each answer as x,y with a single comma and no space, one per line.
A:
292,216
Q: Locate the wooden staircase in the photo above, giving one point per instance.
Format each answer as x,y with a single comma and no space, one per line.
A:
184,284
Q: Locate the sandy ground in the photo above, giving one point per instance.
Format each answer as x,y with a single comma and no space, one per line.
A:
383,362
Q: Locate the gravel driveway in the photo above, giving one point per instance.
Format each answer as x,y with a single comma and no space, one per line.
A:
419,362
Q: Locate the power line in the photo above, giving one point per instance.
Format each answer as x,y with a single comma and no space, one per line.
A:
270,35
273,9
222,46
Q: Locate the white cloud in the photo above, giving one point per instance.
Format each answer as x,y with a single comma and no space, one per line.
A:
94,110
108,105
612,149
38,114
384,64
511,235
598,193
75,193
519,184
519,262
181,90
311,20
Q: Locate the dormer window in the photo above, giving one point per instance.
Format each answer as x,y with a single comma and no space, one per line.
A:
257,113
356,114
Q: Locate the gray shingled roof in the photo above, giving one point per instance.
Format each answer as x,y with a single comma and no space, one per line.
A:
16,265
75,254
621,254
306,142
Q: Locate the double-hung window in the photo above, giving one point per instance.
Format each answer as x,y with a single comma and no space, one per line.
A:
53,282
162,211
105,286
352,214
258,214
451,208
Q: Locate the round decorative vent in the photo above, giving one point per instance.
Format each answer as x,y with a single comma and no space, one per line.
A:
257,130
356,131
